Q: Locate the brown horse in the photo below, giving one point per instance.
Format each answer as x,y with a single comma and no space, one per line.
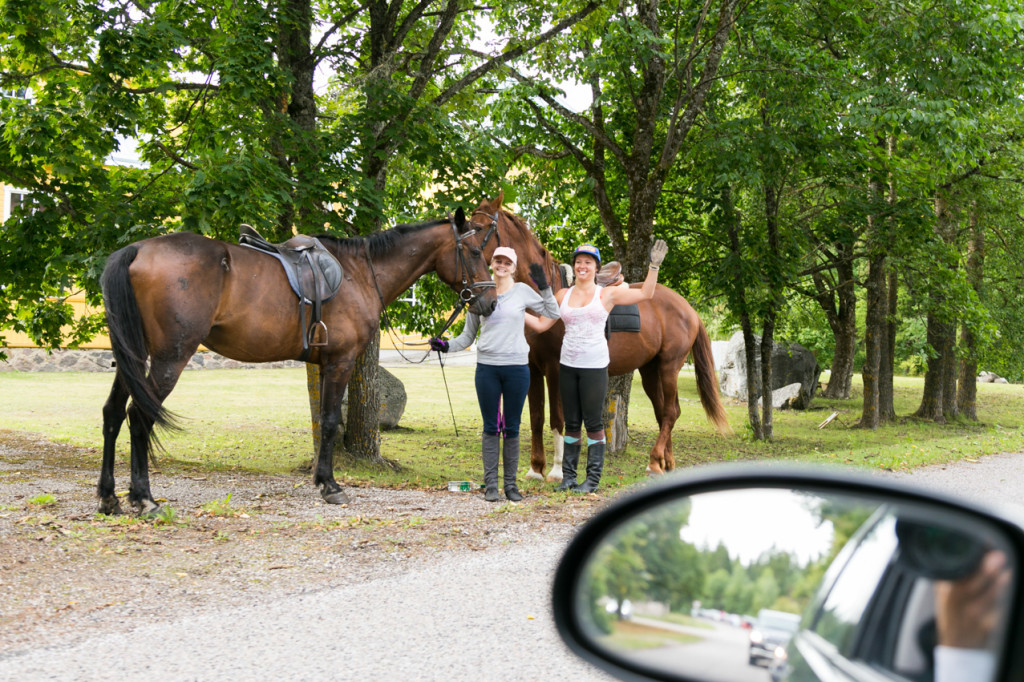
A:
167,295
670,331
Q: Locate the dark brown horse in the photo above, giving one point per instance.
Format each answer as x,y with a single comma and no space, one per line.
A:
167,295
670,331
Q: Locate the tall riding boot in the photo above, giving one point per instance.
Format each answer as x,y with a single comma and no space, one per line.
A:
510,461
490,450
570,458
595,463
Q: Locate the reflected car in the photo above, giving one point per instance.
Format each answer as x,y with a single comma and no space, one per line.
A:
909,564
770,635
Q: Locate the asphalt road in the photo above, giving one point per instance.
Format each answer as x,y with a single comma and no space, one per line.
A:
485,617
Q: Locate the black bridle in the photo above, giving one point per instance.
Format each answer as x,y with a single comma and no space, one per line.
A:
468,293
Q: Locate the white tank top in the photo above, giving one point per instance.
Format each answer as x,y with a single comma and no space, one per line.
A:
584,345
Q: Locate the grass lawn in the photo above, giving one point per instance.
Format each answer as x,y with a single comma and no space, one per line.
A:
259,420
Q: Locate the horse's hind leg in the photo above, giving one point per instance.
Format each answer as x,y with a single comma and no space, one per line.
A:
669,377
334,378
113,417
650,374
163,375
536,399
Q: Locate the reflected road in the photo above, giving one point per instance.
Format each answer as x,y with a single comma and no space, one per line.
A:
720,656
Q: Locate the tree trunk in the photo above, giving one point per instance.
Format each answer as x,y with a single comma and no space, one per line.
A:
931,400
887,360
967,381
887,356
874,329
767,341
738,301
950,369
840,305
939,399
616,412
876,311
967,386
754,391
362,433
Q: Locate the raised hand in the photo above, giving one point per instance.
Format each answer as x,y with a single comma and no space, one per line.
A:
658,252
538,276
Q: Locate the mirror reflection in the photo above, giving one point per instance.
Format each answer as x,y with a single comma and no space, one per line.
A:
762,585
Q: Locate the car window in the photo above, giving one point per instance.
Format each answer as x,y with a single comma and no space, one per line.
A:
858,581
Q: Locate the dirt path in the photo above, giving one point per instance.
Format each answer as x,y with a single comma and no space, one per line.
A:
66,572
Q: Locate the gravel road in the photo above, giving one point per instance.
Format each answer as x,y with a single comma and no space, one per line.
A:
461,593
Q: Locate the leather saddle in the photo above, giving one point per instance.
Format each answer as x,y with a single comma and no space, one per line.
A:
313,272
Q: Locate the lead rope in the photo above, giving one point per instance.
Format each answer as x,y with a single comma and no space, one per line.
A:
447,392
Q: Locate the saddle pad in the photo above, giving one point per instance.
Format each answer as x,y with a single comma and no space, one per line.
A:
624,318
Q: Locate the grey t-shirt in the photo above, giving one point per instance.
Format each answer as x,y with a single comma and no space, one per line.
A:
502,337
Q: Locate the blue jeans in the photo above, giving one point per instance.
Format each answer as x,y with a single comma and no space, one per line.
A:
501,391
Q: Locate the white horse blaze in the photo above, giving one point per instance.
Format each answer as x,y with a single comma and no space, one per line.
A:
555,474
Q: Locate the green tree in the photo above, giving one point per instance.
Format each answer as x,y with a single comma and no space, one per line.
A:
649,68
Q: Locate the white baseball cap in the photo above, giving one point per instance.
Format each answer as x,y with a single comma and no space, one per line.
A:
507,252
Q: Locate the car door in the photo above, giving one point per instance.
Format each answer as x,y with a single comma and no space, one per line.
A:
870,620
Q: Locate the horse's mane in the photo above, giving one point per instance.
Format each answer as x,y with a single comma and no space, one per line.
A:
378,243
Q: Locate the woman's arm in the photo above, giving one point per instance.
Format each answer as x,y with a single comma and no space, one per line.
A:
612,296
537,324
468,335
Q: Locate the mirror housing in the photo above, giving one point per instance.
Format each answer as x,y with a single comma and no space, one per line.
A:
938,539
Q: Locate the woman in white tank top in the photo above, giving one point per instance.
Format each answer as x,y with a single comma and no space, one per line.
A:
583,366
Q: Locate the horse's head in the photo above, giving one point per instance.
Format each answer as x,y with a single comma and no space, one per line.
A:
467,272
512,231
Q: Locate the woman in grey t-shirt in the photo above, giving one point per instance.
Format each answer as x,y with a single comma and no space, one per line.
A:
502,373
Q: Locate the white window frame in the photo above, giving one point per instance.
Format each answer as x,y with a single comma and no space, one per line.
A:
9,193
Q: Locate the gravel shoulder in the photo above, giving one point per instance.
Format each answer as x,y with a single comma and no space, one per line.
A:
67,574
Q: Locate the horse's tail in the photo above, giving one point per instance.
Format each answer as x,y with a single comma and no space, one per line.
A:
707,381
127,337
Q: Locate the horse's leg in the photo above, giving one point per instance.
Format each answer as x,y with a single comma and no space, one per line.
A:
536,399
557,423
114,413
334,378
650,374
670,409
163,375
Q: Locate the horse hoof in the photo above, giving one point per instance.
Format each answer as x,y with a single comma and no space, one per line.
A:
533,475
336,497
554,477
150,511
110,506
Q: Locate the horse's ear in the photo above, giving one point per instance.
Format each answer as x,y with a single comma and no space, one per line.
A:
459,221
496,201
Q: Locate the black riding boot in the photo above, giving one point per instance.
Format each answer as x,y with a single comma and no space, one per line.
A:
510,462
489,449
570,458
595,463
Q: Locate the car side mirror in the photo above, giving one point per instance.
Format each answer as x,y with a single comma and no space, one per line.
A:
748,573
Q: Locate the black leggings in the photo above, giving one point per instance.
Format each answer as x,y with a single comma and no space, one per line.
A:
583,392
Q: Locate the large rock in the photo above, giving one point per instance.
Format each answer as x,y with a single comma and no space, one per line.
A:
791,364
392,400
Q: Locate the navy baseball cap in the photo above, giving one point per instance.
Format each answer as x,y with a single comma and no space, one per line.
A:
588,249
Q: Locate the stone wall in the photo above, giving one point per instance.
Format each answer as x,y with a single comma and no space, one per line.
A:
37,360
